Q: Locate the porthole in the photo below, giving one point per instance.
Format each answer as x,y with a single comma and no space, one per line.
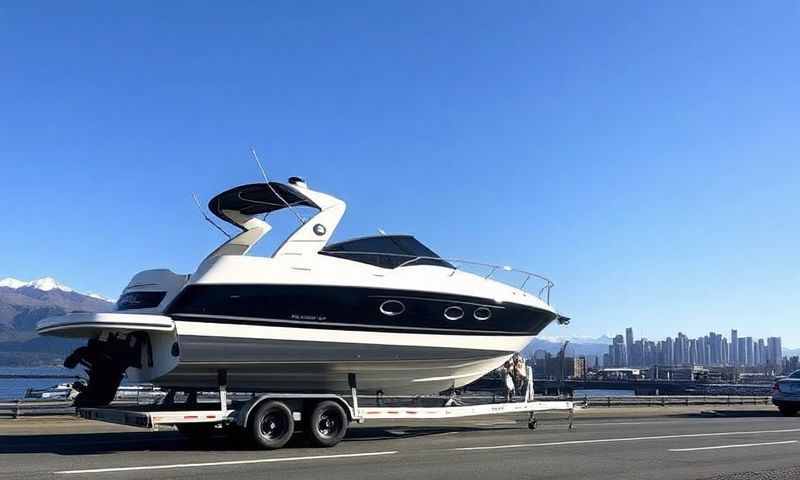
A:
482,313
453,313
392,308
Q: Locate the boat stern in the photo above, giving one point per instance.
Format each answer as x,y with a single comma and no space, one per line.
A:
141,347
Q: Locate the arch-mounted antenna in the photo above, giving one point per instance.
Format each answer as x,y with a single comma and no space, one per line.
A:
208,219
269,185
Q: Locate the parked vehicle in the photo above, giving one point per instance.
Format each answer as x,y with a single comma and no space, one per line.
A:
786,394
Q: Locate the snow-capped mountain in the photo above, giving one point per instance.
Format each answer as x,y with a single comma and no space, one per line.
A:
601,340
23,303
45,284
588,346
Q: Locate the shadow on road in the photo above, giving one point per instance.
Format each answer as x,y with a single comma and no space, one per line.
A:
106,443
737,413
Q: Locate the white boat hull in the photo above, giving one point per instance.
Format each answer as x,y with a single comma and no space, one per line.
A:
309,360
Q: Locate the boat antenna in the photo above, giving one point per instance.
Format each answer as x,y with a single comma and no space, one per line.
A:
269,184
203,213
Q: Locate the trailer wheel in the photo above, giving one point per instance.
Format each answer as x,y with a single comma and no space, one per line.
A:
327,424
272,425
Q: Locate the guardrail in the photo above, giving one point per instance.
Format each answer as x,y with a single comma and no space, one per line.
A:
673,400
19,408
32,407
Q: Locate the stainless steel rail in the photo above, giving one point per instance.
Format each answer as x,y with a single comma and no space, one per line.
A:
543,293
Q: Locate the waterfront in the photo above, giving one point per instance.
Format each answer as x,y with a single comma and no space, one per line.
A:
13,388
601,392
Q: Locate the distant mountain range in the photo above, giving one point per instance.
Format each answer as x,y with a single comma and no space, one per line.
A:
22,304
586,346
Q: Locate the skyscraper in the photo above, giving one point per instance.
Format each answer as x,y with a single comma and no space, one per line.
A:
734,348
748,352
669,351
774,352
742,351
629,346
616,352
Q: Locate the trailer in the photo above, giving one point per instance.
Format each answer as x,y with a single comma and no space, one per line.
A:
270,419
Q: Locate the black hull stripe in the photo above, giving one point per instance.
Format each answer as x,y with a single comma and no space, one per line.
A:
271,322
358,308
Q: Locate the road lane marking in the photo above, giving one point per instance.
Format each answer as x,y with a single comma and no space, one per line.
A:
718,447
233,462
624,439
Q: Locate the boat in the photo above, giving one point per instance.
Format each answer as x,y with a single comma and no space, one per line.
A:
68,391
384,311
62,391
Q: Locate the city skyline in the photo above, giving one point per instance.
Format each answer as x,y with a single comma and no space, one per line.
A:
711,350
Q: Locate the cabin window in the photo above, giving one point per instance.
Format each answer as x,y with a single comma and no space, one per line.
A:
453,313
392,308
482,313
385,251
134,300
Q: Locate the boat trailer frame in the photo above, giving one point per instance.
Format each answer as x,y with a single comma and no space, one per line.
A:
159,416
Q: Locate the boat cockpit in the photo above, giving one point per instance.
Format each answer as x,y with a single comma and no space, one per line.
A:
386,251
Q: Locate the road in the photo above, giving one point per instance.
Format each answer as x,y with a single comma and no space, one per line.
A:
633,443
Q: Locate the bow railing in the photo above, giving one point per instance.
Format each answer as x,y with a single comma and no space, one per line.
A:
456,264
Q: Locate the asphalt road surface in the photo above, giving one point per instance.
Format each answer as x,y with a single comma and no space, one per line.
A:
652,443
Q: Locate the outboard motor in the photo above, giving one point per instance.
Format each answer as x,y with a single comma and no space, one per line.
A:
108,354
105,363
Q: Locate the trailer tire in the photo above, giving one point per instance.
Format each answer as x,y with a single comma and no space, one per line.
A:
327,424
272,425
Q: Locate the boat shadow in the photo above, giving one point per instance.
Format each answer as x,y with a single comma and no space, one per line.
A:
122,442
733,413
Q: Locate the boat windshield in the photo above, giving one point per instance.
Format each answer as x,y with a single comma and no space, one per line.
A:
386,251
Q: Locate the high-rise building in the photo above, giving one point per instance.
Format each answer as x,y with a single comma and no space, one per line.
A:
726,353
774,352
748,352
629,346
616,352
716,349
742,351
669,352
734,348
681,349
761,355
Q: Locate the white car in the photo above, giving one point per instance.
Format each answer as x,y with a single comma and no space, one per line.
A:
786,394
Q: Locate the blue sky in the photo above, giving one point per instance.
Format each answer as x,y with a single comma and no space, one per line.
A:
643,155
